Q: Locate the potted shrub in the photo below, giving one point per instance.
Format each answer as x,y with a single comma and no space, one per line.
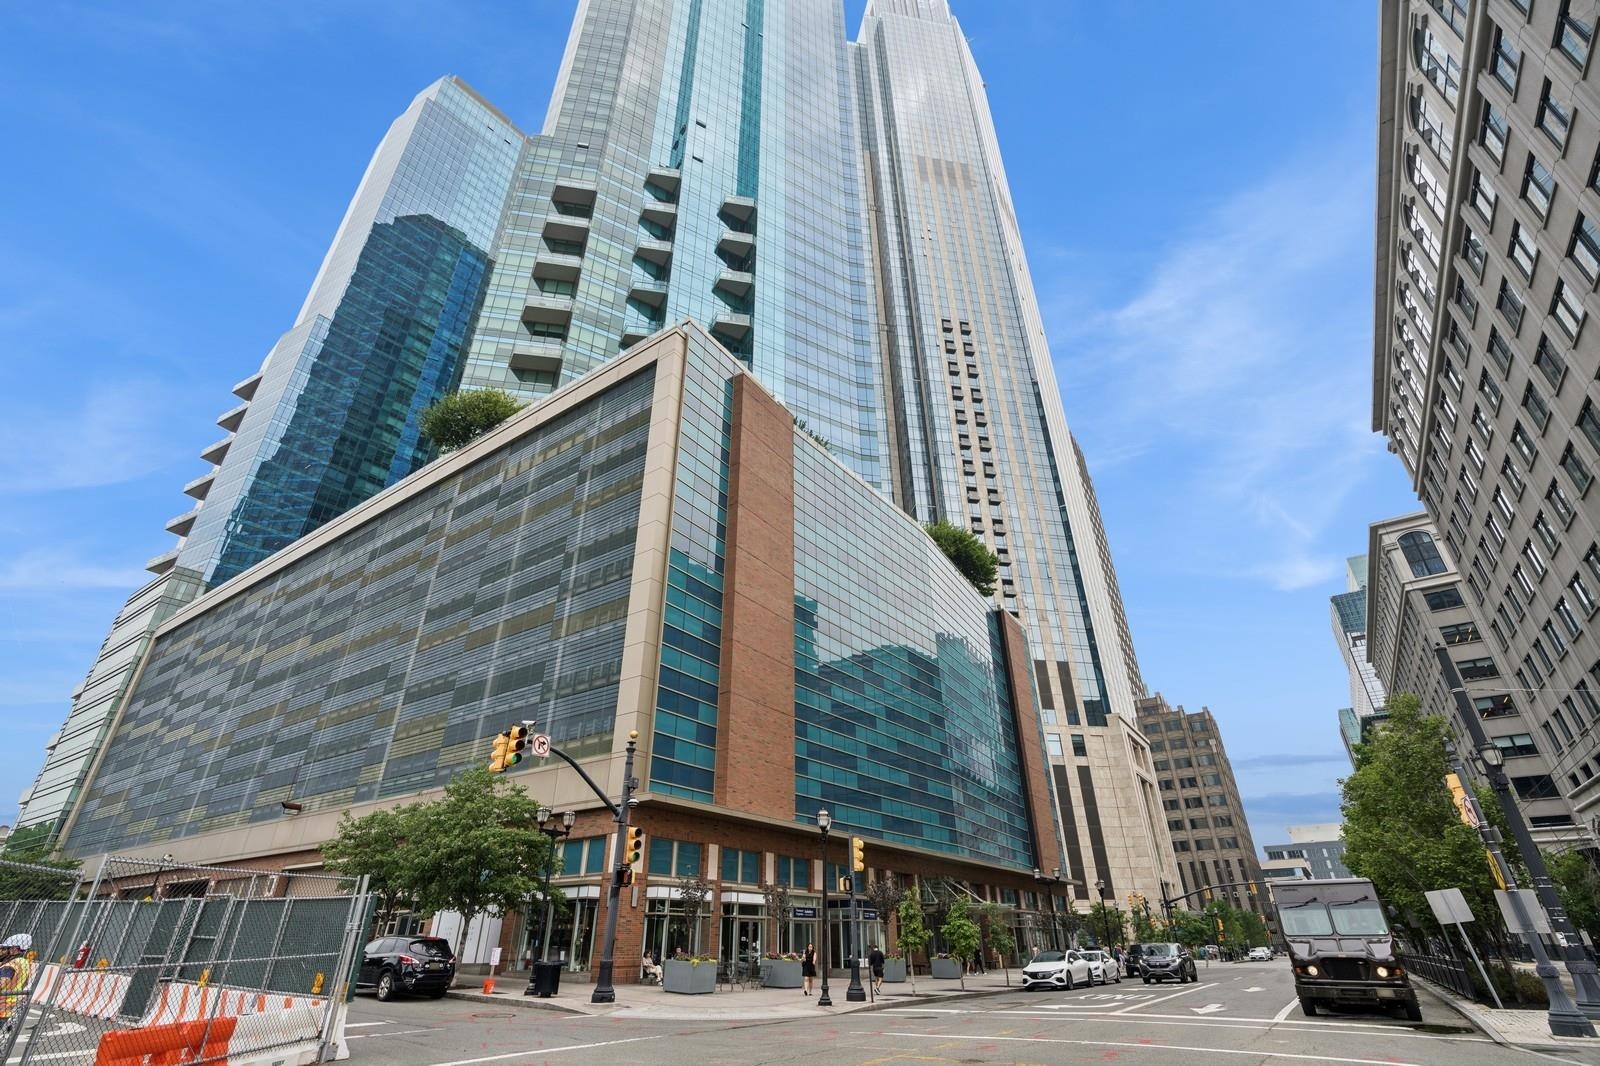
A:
781,970
944,967
894,968
691,975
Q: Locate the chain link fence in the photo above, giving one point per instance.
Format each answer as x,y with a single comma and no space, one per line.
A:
152,960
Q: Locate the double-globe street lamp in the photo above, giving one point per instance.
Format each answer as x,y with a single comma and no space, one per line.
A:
824,823
555,833
1105,919
1054,879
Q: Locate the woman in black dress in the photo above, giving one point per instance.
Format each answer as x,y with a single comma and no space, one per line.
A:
808,966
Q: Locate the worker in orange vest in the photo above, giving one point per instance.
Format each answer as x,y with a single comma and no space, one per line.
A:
16,977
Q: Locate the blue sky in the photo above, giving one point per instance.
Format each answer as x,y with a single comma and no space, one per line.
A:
1196,199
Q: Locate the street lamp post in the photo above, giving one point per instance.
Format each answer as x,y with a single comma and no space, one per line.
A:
1105,919
555,833
1566,1018
824,823
1051,881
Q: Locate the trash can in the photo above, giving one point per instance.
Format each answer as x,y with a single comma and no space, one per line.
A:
546,980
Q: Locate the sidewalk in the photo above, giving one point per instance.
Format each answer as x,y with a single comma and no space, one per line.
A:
1528,1029
750,1004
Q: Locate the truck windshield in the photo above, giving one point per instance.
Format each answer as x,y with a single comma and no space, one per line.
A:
1362,918
1308,919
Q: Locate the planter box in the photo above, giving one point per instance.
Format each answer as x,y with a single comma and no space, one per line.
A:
688,978
781,973
947,969
894,971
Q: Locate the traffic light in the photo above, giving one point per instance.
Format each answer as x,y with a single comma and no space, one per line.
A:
1465,810
858,855
502,750
633,846
517,740
847,885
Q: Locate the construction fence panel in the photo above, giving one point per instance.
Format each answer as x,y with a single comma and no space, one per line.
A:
156,961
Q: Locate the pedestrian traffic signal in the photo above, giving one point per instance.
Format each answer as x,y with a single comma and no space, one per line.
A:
1465,810
497,757
847,885
858,855
633,846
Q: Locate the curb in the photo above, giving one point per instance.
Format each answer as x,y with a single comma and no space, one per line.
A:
520,1002
1482,1024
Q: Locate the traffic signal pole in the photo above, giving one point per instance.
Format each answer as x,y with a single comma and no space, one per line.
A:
603,991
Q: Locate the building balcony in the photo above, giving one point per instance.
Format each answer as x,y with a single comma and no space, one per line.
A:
544,359
215,453
733,325
200,486
736,283
180,526
556,266
163,562
737,245
658,252
231,418
661,213
565,228
649,291
636,331
542,309
740,209
577,191
246,389
667,179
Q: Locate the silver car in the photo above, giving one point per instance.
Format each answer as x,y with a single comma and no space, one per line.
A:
1103,967
1056,969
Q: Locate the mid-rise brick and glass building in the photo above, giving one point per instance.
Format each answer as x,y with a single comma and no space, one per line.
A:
1320,847
1348,611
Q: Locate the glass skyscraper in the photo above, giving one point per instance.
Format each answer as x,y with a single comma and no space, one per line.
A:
837,216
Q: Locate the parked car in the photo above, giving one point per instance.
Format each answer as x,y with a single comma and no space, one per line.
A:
1056,969
1167,962
1130,961
396,964
1103,967
1260,954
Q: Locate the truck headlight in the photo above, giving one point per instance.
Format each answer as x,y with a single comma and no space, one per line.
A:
1312,970
1383,971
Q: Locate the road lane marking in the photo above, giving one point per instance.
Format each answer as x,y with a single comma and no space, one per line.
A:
1287,1007
363,1025
402,1032
1264,1025
1209,1008
535,1052
1253,988
1163,999
1142,1046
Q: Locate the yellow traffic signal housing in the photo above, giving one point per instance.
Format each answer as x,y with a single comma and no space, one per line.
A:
502,750
858,855
1462,801
846,885
516,741
633,847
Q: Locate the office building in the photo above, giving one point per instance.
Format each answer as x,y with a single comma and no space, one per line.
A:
1488,251
1200,801
1320,846
1416,604
836,215
815,651
1348,611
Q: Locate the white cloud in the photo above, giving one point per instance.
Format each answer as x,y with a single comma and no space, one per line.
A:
1239,373
113,433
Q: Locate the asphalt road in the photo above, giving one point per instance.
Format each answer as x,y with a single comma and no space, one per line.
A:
1244,1013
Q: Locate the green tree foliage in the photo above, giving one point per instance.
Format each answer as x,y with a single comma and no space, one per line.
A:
969,554
912,931
1401,829
685,925
1107,923
1189,928
34,874
996,923
463,417
478,850
1578,883
960,934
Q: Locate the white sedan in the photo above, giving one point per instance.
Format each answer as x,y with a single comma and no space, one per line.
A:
1260,954
1057,969
1103,967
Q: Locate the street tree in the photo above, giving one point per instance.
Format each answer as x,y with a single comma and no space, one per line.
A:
462,417
779,906
996,922
883,893
1109,922
960,934
692,893
36,875
1578,884
912,932
1401,828
969,554
374,847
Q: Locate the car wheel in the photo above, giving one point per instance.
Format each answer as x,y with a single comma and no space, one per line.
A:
1413,1011
1147,979
1308,1007
438,993
1070,985
386,988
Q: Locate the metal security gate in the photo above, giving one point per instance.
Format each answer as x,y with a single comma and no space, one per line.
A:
182,963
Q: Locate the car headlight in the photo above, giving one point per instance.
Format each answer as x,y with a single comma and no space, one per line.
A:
1383,971
1312,970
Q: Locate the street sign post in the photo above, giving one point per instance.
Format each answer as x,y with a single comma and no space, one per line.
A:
1450,908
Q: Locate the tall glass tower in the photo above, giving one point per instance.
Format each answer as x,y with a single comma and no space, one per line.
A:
836,214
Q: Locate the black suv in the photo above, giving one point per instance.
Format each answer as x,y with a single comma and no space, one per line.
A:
395,964
1130,962
1162,962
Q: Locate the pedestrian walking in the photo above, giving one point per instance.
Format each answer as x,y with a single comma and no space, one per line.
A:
808,966
875,960
16,974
